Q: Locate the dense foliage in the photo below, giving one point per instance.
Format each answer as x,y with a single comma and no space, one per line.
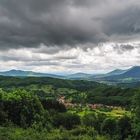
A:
75,90
30,108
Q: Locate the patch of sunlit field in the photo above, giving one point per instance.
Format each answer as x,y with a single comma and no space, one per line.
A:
115,112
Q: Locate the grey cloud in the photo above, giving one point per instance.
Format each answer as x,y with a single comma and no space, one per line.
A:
41,63
122,48
66,57
127,47
49,49
66,23
126,22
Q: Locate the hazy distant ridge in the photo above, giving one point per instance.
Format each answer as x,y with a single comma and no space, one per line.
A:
117,75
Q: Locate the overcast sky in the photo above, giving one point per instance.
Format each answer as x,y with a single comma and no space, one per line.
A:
69,35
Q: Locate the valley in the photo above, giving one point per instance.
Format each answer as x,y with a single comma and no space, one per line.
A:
50,108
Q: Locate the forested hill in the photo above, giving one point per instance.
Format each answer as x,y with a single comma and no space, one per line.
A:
73,89
57,83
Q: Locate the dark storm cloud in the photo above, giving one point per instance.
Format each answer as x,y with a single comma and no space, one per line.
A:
127,47
126,22
29,23
122,48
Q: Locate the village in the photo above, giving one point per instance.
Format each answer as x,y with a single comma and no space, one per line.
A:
69,104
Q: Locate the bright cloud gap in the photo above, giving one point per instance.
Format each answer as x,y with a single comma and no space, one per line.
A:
97,59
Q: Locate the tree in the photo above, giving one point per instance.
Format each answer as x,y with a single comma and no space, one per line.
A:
22,107
53,104
136,123
90,120
67,120
108,126
3,114
124,127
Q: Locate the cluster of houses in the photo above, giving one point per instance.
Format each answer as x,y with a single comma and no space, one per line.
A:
68,104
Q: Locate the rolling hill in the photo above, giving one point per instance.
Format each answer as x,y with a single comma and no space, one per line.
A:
129,75
78,76
20,73
116,72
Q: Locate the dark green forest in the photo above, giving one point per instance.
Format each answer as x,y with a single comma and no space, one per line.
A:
54,109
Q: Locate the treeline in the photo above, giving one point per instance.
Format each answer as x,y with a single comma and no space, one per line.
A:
111,95
7,82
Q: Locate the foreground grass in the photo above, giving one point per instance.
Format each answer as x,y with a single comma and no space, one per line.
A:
12,133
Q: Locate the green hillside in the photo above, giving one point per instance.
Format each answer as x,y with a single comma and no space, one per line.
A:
55,109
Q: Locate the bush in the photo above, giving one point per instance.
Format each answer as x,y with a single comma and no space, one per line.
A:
53,104
124,127
67,120
109,126
90,120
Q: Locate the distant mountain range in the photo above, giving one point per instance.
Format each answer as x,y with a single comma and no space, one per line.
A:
116,72
20,73
121,76
115,76
78,76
